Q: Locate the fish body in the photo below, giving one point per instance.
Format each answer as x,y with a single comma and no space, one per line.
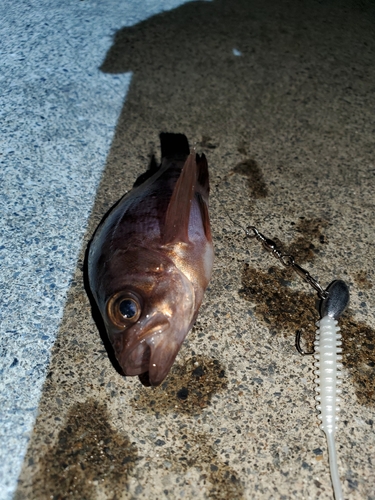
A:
150,262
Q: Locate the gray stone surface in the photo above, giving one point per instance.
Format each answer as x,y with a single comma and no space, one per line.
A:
288,129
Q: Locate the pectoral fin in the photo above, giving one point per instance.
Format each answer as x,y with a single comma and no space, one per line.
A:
193,182
176,227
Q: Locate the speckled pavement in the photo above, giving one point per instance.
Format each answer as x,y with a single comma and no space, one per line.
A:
280,97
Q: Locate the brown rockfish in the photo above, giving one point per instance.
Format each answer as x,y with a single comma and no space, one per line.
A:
151,259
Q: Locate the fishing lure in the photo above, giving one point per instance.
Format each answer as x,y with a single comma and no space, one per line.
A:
334,301
327,354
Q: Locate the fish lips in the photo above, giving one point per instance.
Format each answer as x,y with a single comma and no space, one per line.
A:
148,349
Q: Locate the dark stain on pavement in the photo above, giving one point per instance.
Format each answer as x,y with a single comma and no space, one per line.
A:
279,306
362,280
88,455
310,237
255,180
221,480
285,310
188,388
359,357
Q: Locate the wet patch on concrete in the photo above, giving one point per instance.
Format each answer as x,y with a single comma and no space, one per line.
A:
277,304
188,388
359,358
221,480
282,309
310,237
255,180
285,310
88,456
362,280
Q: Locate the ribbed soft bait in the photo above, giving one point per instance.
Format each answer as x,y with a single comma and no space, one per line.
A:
327,354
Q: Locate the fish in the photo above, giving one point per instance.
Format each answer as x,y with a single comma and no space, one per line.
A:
150,261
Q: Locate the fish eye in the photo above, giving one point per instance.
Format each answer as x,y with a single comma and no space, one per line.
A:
123,308
128,308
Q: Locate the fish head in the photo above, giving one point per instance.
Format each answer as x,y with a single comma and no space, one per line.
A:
148,313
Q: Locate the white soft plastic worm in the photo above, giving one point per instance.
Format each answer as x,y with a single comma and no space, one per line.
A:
327,354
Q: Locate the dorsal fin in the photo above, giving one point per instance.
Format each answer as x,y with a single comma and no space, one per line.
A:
176,227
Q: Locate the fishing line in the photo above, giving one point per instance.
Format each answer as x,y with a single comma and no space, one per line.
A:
333,301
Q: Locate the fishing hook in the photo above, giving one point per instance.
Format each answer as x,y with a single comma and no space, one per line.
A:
298,345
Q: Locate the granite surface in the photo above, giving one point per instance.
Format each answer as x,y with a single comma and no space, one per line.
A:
280,97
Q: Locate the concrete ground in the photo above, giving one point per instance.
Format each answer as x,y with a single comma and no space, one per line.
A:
280,96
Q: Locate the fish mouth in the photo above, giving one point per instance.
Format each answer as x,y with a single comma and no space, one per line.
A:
150,350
